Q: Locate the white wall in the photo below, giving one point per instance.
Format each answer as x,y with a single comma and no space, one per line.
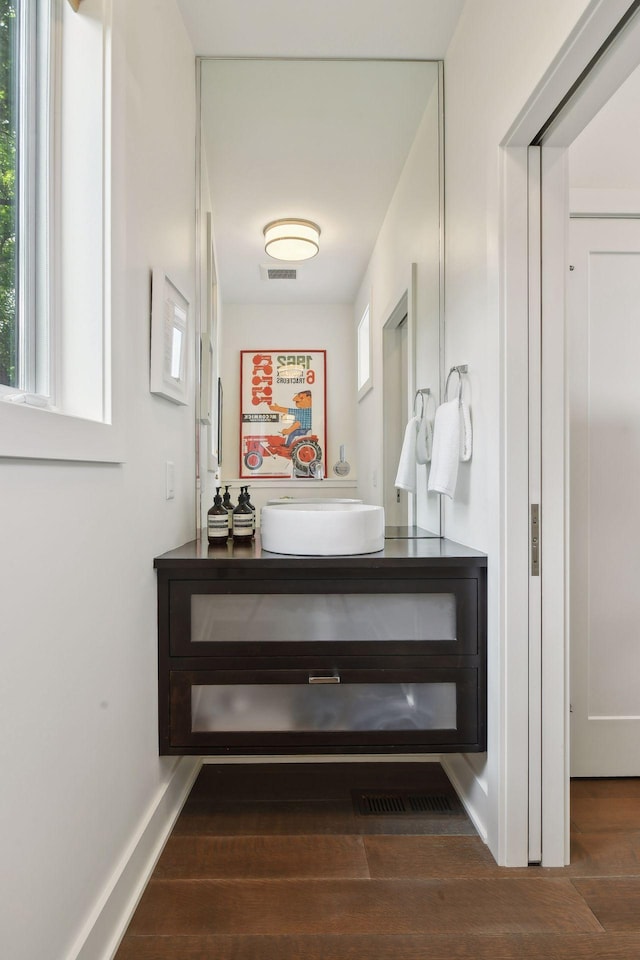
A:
78,698
606,155
318,327
498,54
409,234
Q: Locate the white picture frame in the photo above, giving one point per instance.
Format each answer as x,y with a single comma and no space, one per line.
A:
364,353
170,338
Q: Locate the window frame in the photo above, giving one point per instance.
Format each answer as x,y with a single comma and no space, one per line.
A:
32,424
33,178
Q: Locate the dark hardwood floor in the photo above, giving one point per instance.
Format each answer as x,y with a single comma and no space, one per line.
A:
275,862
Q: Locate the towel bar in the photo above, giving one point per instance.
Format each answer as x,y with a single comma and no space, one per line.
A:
459,369
424,392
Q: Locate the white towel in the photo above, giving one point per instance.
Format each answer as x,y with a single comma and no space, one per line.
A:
406,475
446,448
424,440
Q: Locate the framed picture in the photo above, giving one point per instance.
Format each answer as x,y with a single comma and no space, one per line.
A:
169,340
283,413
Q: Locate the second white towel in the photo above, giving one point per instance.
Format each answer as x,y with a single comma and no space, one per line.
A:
447,432
406,475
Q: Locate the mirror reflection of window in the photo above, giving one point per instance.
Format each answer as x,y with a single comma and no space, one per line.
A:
176,328
176,353
364,357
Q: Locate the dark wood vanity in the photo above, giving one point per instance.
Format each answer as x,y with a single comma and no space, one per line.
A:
267,654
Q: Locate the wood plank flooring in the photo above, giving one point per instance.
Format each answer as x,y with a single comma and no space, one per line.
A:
273,862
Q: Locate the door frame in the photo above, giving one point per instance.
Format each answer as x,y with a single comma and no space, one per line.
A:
534,814
403,306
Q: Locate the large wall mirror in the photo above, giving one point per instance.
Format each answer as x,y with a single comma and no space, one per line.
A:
355,147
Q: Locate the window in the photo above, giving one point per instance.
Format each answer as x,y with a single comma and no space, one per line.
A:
56,392
8,185
24,181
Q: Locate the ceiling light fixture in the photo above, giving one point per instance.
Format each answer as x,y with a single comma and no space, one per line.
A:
292,239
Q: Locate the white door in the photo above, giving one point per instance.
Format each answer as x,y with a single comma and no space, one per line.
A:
603,352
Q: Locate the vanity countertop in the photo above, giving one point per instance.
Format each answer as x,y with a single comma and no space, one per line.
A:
434,552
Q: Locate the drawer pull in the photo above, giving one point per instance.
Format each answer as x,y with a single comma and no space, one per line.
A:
333,679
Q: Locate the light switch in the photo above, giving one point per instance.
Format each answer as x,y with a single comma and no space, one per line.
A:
171,479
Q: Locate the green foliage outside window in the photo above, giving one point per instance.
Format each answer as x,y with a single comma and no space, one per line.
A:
8,130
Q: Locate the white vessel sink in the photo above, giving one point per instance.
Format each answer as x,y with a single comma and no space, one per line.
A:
322,528
285,500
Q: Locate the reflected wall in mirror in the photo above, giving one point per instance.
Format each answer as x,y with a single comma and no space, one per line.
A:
354,146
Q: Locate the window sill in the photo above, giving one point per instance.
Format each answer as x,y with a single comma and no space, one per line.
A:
38,433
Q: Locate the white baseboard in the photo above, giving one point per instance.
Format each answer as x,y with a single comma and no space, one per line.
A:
108,921
471,790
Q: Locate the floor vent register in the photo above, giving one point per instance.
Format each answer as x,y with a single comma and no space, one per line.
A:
407,804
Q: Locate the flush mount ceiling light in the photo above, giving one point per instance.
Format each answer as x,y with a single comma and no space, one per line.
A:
291,239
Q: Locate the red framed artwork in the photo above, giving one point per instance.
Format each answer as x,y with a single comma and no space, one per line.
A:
283,413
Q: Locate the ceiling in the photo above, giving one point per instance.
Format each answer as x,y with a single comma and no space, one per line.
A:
324,141
321,28
319,140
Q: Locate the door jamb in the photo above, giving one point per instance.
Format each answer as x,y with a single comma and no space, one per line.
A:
404,306
586,39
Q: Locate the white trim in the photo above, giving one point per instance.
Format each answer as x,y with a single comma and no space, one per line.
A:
595,716
511,726
590,32
609,73
112,381
28,432
535,497
554,569
50,435
471,790
107,923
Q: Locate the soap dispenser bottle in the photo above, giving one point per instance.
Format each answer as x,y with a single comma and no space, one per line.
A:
242,521
228,505
217,522
252,508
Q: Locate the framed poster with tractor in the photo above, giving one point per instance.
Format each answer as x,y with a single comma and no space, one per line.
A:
283,413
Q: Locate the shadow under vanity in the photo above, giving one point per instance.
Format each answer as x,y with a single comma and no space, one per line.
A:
261,653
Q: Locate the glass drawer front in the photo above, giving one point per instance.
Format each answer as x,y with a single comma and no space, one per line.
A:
274,707
323,617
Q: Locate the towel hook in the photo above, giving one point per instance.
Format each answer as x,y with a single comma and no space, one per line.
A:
425,392
459,369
